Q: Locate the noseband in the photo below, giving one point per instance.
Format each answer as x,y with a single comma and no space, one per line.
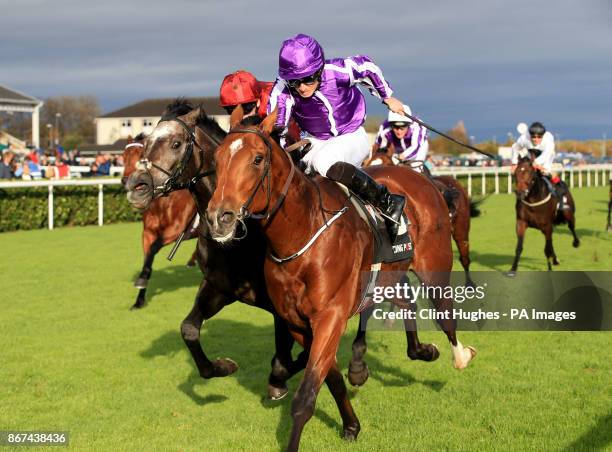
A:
172,183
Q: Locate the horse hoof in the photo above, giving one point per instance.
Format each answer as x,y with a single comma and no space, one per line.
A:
190,264
275,393
224,367
350,433
138,305
511,274
427,352
360,376
576,243
555,262
466,354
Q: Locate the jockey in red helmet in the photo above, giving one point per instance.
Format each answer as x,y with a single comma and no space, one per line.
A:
242,88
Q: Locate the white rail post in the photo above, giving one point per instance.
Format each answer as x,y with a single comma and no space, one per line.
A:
469,184
484,183
100,205
509,182
50,207
580,178
589,178
496,181
571,177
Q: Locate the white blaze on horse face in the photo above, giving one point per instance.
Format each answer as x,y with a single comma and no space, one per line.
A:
163,130
235,146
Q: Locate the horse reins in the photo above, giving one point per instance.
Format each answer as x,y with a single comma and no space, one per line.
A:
266,214
537,203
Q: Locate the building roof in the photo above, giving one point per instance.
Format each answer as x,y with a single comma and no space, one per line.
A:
12,96
92,149
155,107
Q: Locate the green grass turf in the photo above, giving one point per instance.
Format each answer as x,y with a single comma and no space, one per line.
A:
72,357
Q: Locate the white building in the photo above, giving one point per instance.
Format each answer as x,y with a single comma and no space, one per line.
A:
11,101
143,116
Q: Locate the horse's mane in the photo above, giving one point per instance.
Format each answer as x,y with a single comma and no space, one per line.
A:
524,160
181,106
141,136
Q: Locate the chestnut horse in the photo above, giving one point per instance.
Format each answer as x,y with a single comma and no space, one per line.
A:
177,155
461,207
164,220
537,208
318,291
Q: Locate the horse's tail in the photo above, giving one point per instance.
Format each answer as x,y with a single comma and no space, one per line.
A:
450,195
474,210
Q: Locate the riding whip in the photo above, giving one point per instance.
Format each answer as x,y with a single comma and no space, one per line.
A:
427,126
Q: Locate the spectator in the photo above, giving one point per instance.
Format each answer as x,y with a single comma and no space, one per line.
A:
6,170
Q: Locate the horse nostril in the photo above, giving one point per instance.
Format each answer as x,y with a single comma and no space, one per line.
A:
227,217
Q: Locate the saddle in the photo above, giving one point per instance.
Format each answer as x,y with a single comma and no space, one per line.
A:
383,251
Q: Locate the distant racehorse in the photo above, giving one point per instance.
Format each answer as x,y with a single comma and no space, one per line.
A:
536,208
460,206
163,221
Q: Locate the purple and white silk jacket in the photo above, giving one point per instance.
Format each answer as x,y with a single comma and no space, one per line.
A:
408,147
337,107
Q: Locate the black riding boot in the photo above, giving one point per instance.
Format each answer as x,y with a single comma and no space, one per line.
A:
369,190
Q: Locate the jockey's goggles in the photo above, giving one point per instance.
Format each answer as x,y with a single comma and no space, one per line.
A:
308,81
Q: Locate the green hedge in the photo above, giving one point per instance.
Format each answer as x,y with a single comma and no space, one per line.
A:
27,208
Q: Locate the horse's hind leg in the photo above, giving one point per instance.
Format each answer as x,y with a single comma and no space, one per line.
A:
151,244
417,350
461,355
521,227
208,302
283,366
549,251
358,371
571,223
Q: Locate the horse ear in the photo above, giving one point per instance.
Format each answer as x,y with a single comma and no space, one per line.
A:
236,116
267,125
191,117
130,139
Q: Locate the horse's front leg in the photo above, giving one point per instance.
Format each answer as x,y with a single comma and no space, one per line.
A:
208,302
327,329
521,227
283,366
151,244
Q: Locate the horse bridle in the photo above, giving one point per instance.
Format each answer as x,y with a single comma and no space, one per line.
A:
265,214
172,183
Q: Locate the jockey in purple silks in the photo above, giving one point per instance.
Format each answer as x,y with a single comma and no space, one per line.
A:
409,138
324,99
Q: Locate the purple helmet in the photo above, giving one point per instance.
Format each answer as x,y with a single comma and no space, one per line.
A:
300,57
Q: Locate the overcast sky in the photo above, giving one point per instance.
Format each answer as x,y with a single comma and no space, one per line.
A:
489,63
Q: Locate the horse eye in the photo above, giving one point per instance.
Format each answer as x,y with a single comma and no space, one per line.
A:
258,159
176,145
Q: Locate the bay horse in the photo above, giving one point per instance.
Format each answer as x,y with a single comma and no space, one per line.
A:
316,291
164,220
536,208
178,155
461,208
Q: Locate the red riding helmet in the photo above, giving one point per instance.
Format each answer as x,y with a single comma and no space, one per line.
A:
240,87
